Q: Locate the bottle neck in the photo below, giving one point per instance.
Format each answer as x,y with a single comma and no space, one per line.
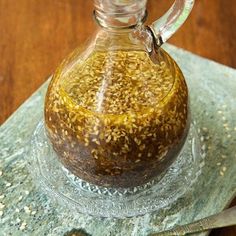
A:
120,14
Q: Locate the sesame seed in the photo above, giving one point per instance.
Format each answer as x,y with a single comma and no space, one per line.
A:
27,209
224,168
2,205
142,147
93,151
33,212
203,147
8,184
23,226
221,173
97,142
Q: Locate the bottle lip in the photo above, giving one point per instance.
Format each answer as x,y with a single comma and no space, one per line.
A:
120,14
104,22
120,6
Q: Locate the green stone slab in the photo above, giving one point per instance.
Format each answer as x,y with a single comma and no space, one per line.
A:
26,210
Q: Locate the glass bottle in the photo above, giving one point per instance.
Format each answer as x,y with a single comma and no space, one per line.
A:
116,111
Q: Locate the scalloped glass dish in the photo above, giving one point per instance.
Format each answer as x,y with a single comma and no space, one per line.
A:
80,196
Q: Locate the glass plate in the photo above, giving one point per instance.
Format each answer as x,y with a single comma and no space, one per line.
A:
79,195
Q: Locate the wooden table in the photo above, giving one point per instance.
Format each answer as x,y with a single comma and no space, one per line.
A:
36,35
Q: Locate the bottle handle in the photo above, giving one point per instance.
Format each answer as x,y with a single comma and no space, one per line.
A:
171,21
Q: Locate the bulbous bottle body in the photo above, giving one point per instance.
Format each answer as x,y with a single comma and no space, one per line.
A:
116,116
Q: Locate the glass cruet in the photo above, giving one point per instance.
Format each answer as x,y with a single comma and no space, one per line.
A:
116,110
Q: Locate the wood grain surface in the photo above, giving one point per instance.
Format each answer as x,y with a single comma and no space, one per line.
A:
36,35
